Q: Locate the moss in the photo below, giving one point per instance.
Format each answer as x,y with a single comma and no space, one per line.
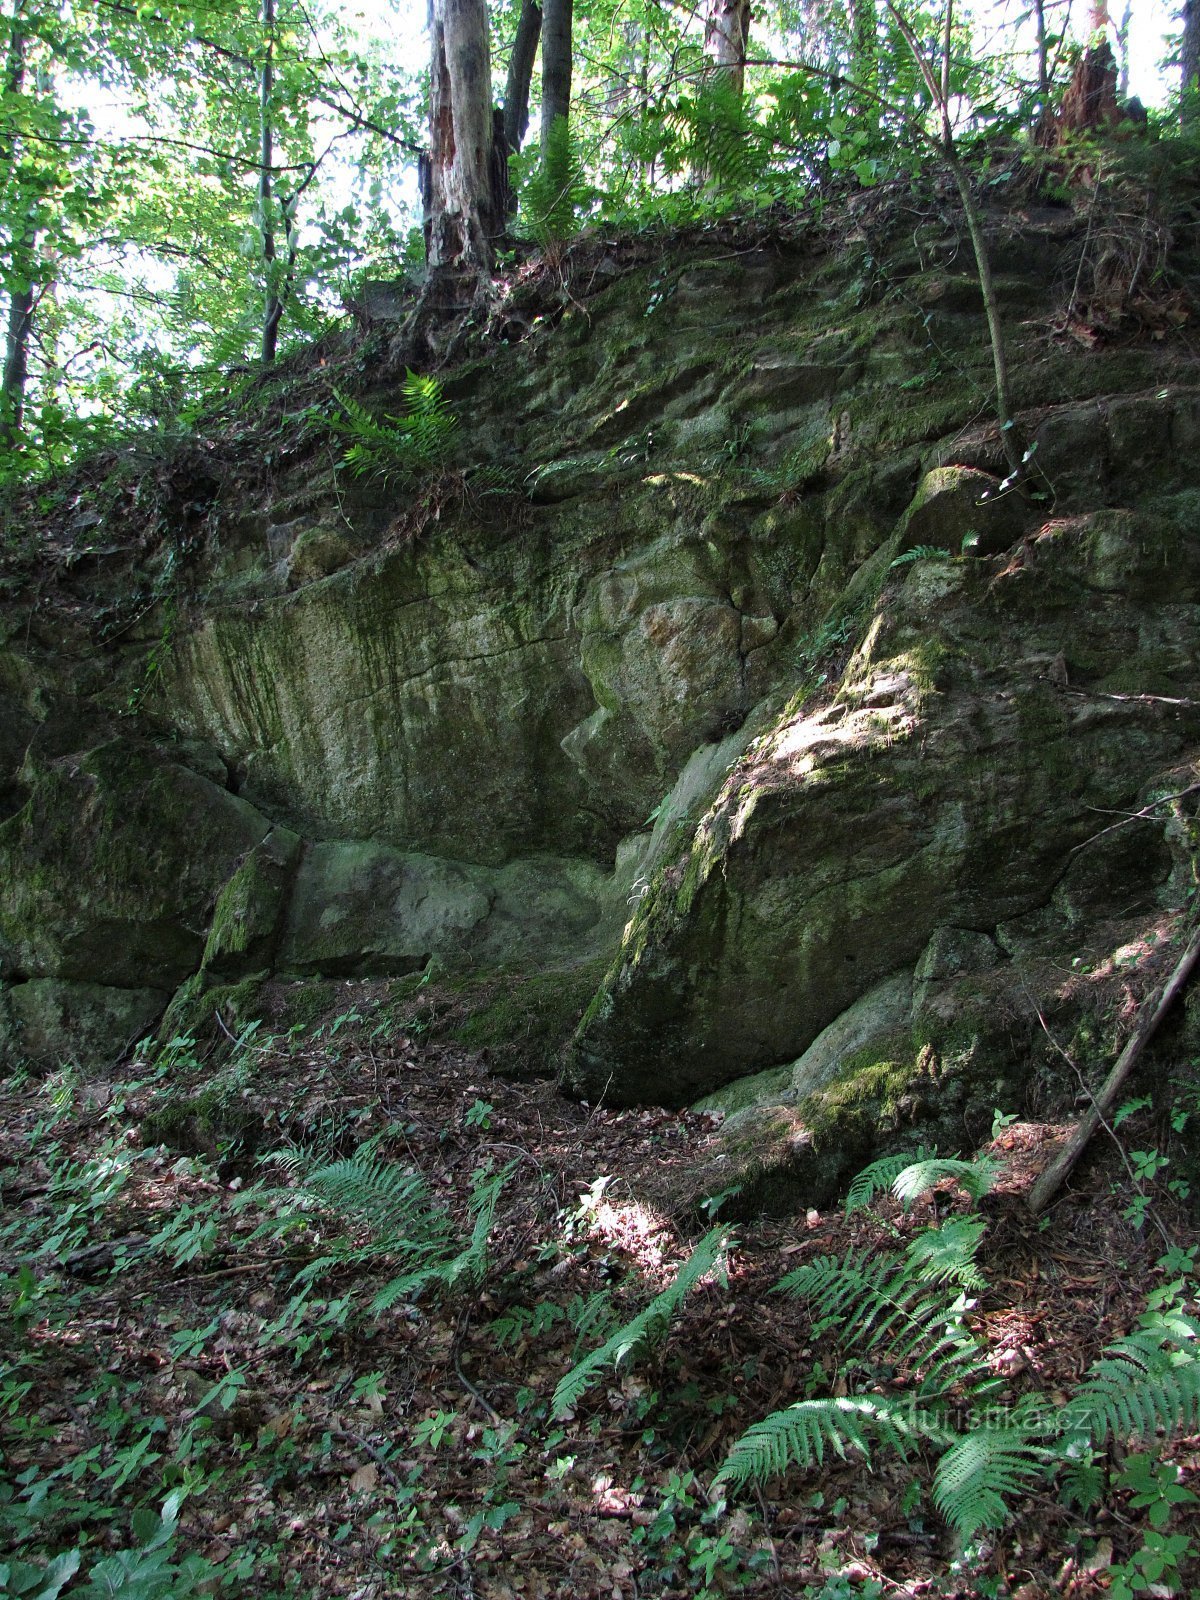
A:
213,1121
868,1094
195,1006
930,663
524,1022
245,924
305,1003
759,1088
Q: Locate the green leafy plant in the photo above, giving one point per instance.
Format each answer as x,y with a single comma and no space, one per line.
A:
399,449
921,552
651,1322
555,193
907,1313
392,1206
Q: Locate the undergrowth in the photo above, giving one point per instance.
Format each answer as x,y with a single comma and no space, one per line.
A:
410,1340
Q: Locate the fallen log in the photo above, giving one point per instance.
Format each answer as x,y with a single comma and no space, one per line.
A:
1056,1173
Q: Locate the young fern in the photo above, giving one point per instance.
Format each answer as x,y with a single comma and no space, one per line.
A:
1144,1384
908,1310
649,1324
399,447
394,1206
980,1469
880,1175
556,192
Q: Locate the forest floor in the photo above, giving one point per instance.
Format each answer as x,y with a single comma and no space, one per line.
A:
198,1396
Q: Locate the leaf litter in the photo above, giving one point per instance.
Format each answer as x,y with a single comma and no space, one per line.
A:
184,1327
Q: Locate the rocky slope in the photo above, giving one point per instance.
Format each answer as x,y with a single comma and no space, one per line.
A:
718,656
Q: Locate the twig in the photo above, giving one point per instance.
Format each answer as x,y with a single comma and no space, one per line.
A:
376,1456
1146,814
1060,1168
475,1394
1104,1122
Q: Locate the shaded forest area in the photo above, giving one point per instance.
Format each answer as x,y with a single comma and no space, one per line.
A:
325,1288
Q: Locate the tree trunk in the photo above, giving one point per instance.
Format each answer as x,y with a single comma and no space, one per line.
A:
1189,60
556,65
1122,32
1090,103
726,35
466,211
21,249
520,74
272,304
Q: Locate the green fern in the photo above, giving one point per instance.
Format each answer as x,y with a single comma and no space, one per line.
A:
899,1306
799,1435
649,1324
980,1469
926,1172
880,1175
922,552
390,1201
946,1254
908,1311
555,195
398,447
1144,1384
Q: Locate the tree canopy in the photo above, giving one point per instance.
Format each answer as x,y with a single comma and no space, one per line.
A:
187,189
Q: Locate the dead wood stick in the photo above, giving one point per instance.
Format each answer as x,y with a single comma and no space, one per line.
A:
1059,1169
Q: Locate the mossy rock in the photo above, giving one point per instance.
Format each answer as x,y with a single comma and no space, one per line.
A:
108,873
248,918
50,1021
213,1121
197,1004
523,1023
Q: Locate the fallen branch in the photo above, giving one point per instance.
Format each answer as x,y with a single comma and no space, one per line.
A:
1146,814
1060,1168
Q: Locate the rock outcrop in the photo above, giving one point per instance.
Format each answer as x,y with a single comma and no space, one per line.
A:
737,666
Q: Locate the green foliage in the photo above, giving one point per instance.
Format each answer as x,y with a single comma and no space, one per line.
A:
799,1435
394,1207
1145,1383
922,552
907,1312
555,193
399,448
649,1324
980,1469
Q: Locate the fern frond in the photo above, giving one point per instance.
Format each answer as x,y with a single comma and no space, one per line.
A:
880,1175
839,1286
622,1345
976,1177
385,1198
979,1470
1144,1384
946,1254
400,446
556,192
470,1263
799,1435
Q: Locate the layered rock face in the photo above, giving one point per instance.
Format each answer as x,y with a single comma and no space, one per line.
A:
737,666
